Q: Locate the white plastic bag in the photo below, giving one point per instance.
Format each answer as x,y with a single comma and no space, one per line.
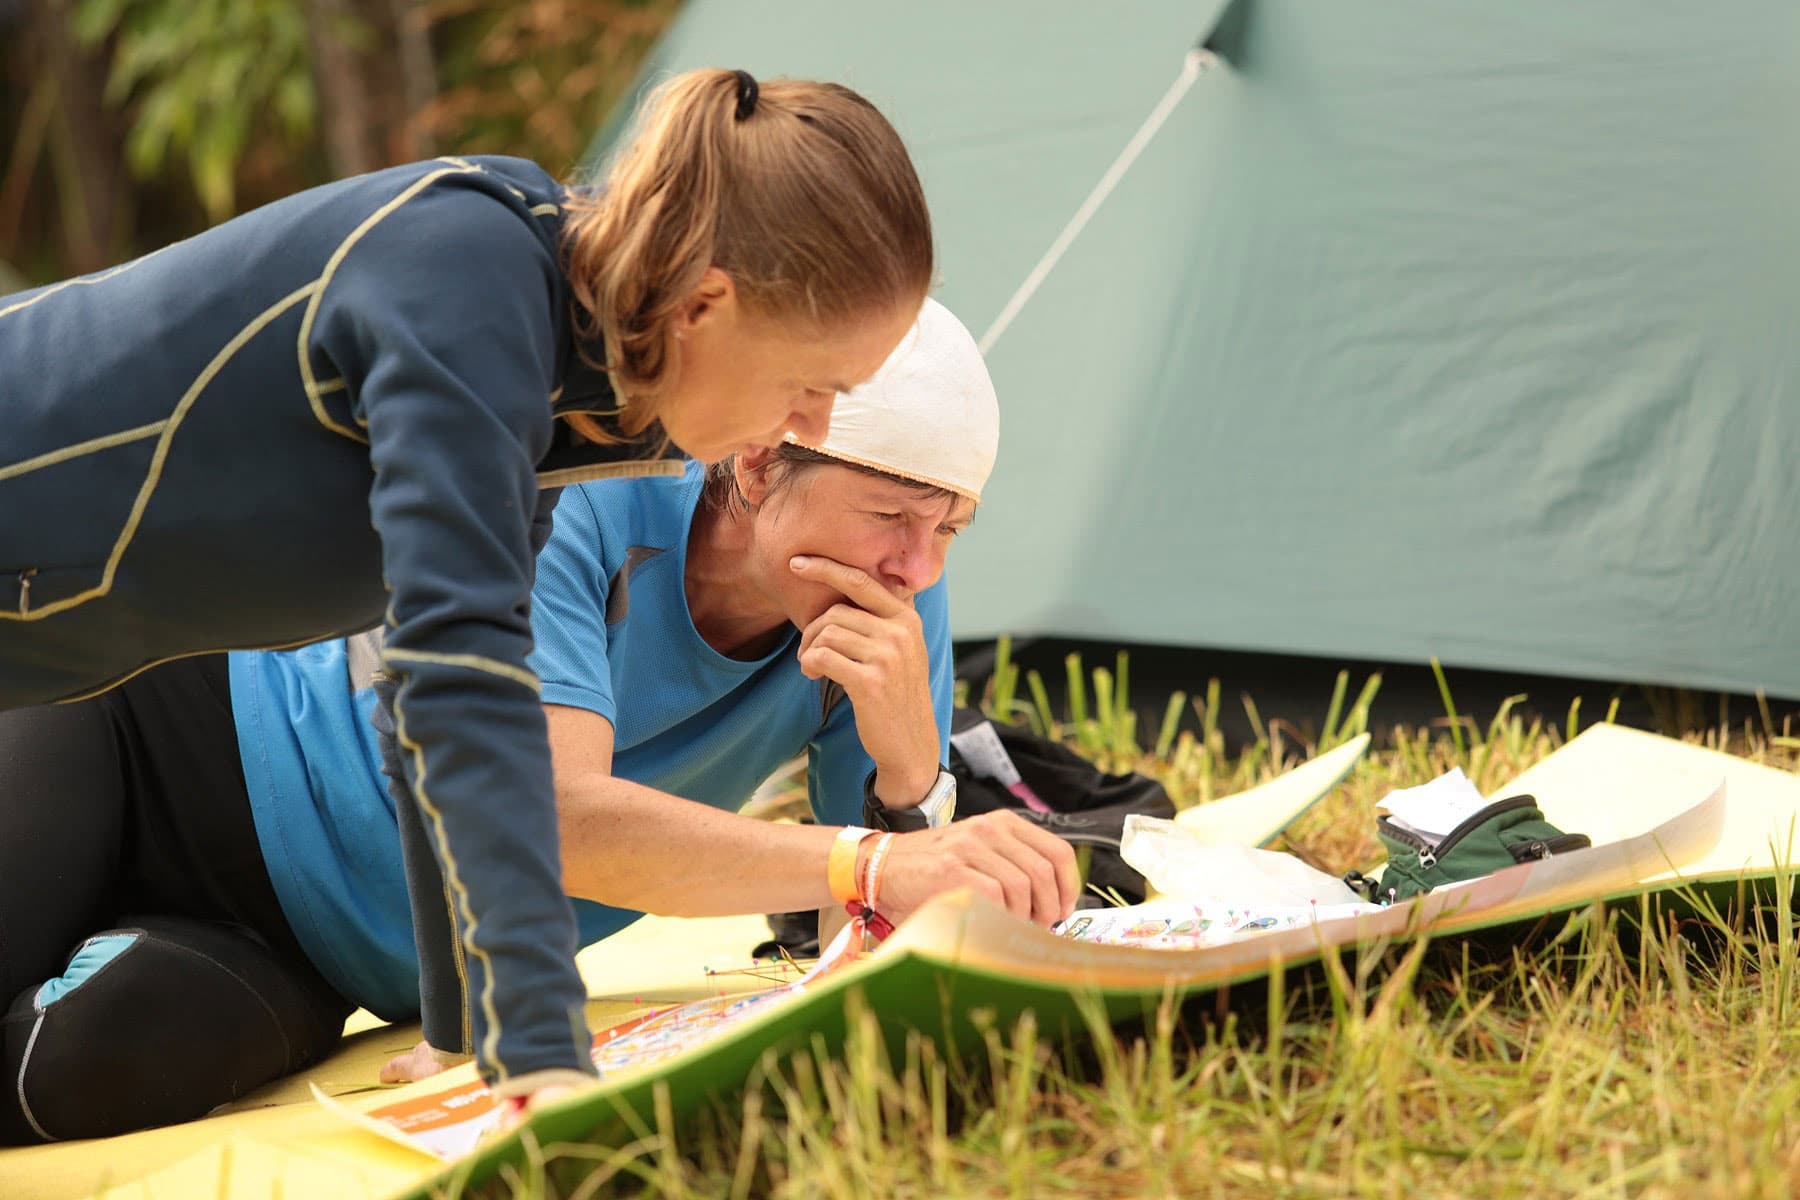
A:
1180,866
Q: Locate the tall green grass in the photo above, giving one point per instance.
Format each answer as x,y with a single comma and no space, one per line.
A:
1627,1055
1100,722
1590,1068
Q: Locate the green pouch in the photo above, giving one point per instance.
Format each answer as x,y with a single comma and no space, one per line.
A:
1504,834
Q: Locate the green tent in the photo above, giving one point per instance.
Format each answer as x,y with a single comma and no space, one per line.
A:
1379,329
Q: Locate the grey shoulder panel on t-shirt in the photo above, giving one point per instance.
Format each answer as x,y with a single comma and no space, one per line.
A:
618,588
831,693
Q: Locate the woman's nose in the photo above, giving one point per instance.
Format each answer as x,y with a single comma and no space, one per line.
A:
812,423
916,563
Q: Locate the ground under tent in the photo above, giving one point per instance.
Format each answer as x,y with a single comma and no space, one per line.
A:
1725,819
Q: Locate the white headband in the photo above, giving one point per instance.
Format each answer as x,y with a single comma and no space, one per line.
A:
929,414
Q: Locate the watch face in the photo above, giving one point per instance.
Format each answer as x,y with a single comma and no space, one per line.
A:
939,805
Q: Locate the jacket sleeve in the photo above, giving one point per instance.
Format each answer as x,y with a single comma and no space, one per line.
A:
443,976
440,322
443,998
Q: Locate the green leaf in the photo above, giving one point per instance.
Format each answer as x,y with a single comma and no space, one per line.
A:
92,21
295,103
1456,733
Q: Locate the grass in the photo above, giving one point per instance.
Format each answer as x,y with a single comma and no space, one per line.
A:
1626,1056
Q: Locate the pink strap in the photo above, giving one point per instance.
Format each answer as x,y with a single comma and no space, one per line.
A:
1022,791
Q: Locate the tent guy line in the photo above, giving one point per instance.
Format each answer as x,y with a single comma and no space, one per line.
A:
1196,61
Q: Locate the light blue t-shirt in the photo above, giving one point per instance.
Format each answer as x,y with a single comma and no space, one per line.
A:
614,636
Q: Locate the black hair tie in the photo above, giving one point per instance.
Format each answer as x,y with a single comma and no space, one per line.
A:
747,93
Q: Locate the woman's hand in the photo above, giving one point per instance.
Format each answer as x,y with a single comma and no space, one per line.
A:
874,648
1005,858
515,1110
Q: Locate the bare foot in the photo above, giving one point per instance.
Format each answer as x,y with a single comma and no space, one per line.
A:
417,1063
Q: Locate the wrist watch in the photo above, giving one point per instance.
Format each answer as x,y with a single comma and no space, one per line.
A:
935,811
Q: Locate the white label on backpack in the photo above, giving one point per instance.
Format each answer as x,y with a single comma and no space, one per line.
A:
981,748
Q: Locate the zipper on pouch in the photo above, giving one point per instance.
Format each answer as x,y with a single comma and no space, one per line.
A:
1429,852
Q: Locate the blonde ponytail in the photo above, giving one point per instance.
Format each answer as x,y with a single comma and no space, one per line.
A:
808,200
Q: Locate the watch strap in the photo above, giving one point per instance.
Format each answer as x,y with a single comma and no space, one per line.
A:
912,819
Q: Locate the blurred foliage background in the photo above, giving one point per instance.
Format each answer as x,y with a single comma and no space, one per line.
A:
127,124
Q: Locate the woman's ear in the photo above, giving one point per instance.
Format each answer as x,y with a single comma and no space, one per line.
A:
715,295
751,468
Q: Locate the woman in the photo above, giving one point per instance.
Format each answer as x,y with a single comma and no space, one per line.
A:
347,405
680,652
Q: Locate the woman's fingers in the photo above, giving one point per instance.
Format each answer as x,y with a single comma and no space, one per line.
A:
822,662
1044,859
1012,862
513,1114
856,584
1064,884
852,645
850,619
1015,881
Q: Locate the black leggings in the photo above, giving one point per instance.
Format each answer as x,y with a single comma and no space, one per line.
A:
147,974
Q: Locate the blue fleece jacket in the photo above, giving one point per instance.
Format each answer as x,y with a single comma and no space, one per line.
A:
330,410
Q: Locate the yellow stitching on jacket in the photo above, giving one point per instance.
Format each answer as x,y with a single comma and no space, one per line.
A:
91,446
474,662
458,956
453,883
618,470
455,893
133,674
154,475
324,280
337,385
544,210
83,281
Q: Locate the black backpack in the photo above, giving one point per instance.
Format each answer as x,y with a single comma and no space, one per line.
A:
1087,807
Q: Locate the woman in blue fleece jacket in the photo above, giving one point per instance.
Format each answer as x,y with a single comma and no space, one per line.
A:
683,658
355,404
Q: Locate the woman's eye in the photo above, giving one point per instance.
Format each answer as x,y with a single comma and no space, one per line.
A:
885,516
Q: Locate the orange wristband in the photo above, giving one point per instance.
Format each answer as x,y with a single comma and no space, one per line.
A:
840,867
872,877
